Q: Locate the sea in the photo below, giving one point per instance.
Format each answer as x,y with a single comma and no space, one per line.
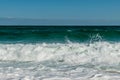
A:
59,52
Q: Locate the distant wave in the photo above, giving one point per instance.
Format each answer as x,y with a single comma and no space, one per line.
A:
52,34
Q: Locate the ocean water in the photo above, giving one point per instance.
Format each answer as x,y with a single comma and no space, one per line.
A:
59,53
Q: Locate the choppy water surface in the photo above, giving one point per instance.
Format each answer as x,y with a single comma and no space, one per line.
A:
59,53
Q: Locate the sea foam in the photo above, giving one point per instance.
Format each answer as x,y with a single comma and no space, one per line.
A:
71,53
57,61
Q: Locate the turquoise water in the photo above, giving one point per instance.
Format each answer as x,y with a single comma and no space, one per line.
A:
58,33
59,53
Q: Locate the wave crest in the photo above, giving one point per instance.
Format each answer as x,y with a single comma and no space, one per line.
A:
70,53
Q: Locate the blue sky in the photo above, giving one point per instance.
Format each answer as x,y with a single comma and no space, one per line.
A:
61,9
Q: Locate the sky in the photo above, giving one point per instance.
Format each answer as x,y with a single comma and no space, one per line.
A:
61,9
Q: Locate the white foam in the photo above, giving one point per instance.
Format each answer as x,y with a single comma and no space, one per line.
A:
76,74
71,53
70,61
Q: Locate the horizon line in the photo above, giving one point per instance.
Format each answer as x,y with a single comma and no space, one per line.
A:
58,19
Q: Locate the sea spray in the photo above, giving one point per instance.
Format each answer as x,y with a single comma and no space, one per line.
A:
59,53
72,53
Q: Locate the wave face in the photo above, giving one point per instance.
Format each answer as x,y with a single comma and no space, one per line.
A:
59,53
52,34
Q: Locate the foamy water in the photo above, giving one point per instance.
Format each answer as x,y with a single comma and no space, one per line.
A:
57,61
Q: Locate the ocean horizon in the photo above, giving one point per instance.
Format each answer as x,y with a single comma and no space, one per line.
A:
58,22
59,39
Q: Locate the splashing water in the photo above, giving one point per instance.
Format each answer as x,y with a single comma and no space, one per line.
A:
50,53
67,61
95,38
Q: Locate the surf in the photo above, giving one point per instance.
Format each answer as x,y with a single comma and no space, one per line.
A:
59,53
106,53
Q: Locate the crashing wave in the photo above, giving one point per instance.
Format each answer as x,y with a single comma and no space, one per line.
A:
71,53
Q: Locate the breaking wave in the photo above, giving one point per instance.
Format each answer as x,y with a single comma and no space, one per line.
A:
59,53
71,53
